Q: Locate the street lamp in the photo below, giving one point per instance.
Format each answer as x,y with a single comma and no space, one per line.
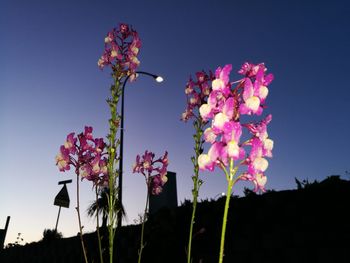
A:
120,182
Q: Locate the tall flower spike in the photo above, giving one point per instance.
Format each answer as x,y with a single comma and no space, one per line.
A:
226,130
122,46
197,92
224,106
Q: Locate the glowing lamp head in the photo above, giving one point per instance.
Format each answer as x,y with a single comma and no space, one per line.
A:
159,79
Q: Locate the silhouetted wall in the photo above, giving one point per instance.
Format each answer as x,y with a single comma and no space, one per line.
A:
167,198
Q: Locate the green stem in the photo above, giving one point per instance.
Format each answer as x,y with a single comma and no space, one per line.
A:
113,123
230,184
98,227
189,249
143,223
79,221
198,148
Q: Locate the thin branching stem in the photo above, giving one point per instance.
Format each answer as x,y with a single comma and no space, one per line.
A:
142,245
199,125
230,184
98,226
113,174
79,221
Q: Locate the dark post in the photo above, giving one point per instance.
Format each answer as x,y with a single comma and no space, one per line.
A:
3,233
62,199
120,179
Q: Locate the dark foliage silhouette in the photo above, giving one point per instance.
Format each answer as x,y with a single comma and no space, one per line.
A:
310,224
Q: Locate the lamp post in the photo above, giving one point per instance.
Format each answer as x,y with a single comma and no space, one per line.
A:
120,180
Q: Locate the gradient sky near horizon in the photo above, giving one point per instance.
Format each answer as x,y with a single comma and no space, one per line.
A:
50,85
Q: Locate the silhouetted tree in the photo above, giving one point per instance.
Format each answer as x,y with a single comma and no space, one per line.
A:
299,185
51,234
248,192
305,183
101,204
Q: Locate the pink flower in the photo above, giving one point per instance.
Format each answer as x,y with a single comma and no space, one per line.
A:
70,143
201,77
136,166
85,171
205,163
157,183
95,164
197,92
62,159
259,181
164,159
187,115
219,122
233,150
256,161
85,154
209,135
205,112
259,130
254,95
135,45
231,137
189,87
250,70
124,29
83,142
103,166
221,82
216,101
154,171
251,103
99,145
122,46
232,131
224,107
115,53
215,156
88,133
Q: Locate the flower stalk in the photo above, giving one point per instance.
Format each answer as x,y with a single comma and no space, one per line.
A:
224,107
86,154
197,92
122,46
199,126
142,245
79,221
98,227
155,172
230,183
112,172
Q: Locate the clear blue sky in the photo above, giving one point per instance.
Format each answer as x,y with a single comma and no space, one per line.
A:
50,85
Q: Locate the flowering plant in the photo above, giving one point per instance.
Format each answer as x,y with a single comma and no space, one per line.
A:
227,102
154,172
86,154
122,46
94,159
197,92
